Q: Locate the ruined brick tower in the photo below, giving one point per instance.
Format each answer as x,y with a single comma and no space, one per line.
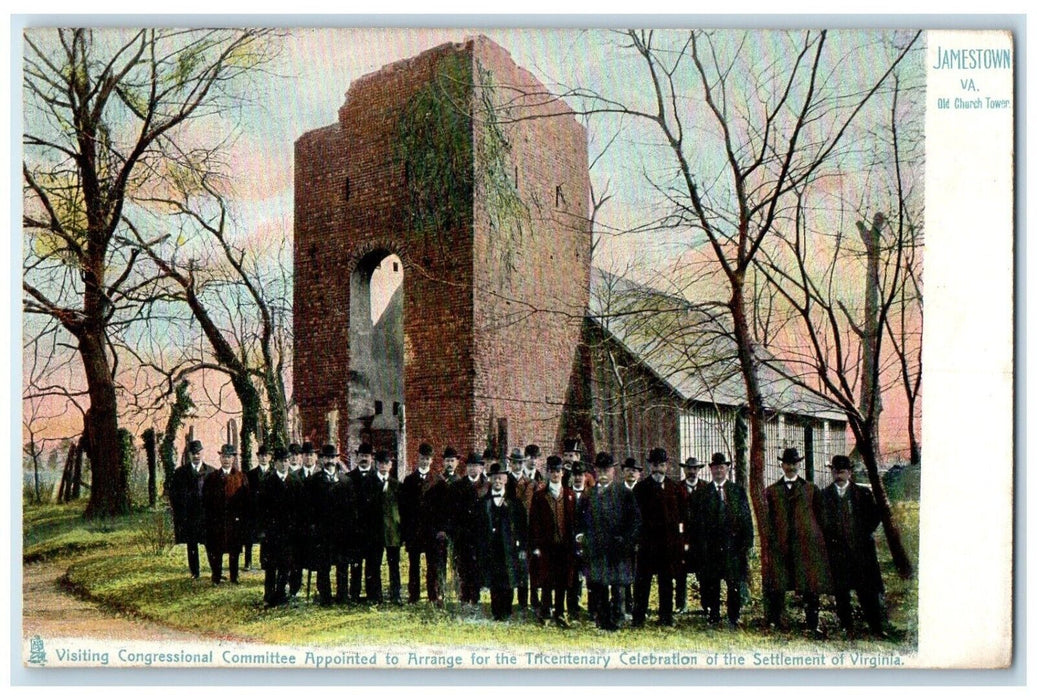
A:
460,165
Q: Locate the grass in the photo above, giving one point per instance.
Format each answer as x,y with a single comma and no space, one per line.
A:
107,564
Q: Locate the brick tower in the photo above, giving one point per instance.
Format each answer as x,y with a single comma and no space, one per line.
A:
461,165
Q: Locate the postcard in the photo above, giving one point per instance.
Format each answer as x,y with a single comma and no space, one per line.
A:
528,349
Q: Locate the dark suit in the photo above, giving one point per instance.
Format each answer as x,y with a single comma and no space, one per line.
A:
848,522
501,550
255,476
522,488
185,497
367,547
724,534
423,517
689,505
609,521
552,547
275,524
299,532
225,498
345,548
320,539
463,499
661,545
385,537
797,557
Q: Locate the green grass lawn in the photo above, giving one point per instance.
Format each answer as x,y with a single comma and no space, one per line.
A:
117,564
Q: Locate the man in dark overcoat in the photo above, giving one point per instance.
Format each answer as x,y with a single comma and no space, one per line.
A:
463,499
849,518
500,543
552,545
608,526
522,488
255,476
422,518
693,486
367,546
723,529
660,550
185,497
275,513
384,532
345,549
226,501
301,531
798,560
320,535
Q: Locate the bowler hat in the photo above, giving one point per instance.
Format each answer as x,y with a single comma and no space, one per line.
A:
841,462
603,460
474,458
280,453
657,456
228,450
328,450
497,468
262,451
790,455
294,448
554,461
718,459
488,453
578,468
364,449
425,449
631,463
692,463
533,451
572,445
382,456
517,455
195,447
307,448
449,453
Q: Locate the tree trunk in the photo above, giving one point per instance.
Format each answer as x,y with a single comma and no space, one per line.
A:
741,456
277,428
150,450
108,494
871,391
866,450
251,405
916,449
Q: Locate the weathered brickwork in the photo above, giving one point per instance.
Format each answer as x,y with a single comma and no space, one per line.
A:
483,340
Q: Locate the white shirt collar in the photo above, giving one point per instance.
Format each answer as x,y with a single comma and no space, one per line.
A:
842,489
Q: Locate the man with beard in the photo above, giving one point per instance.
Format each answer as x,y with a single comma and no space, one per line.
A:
552,544
724,533
693,487
463,497
185,496
276,511
608,525
661,547
226,501
422,513
798,560
500,543
849,517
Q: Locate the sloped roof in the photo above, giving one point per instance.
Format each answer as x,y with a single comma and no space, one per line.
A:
690,347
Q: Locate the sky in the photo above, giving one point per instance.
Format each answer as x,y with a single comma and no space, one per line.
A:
306,85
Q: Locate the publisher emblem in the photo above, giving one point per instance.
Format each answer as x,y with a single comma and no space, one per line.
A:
37,654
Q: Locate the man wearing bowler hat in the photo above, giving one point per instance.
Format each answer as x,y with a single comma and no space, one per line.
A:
552,544
225,498
660,551
276,510
849,518
321,523
521,488
255,477
185,497
724,534
797,558
422,514
361,478
693,487
501,543
464,520
534,465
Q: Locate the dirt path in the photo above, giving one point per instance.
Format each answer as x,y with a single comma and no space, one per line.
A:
51,611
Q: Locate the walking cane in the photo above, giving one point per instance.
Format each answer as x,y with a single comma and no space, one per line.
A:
309,577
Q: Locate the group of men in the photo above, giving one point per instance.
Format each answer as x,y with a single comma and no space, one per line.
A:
531,529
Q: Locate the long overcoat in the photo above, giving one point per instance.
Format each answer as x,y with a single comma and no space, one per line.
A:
368,516
345,548
320,529
423,510
225,498
661,544
276,509
255,477
798,558
610,522
552,549
501,542
723,532
185,497
384,513
849,523
690,504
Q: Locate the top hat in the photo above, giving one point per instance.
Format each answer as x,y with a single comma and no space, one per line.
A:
517,455
280,453
474,458
262,451
364,449
631,463
572,445
790,455
692,463
228,450
382,456
195,447
718,459
425,449
294,448
841,462
657,456
449,453
328,451
307,448
603,460
533,451
497,468
554,461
